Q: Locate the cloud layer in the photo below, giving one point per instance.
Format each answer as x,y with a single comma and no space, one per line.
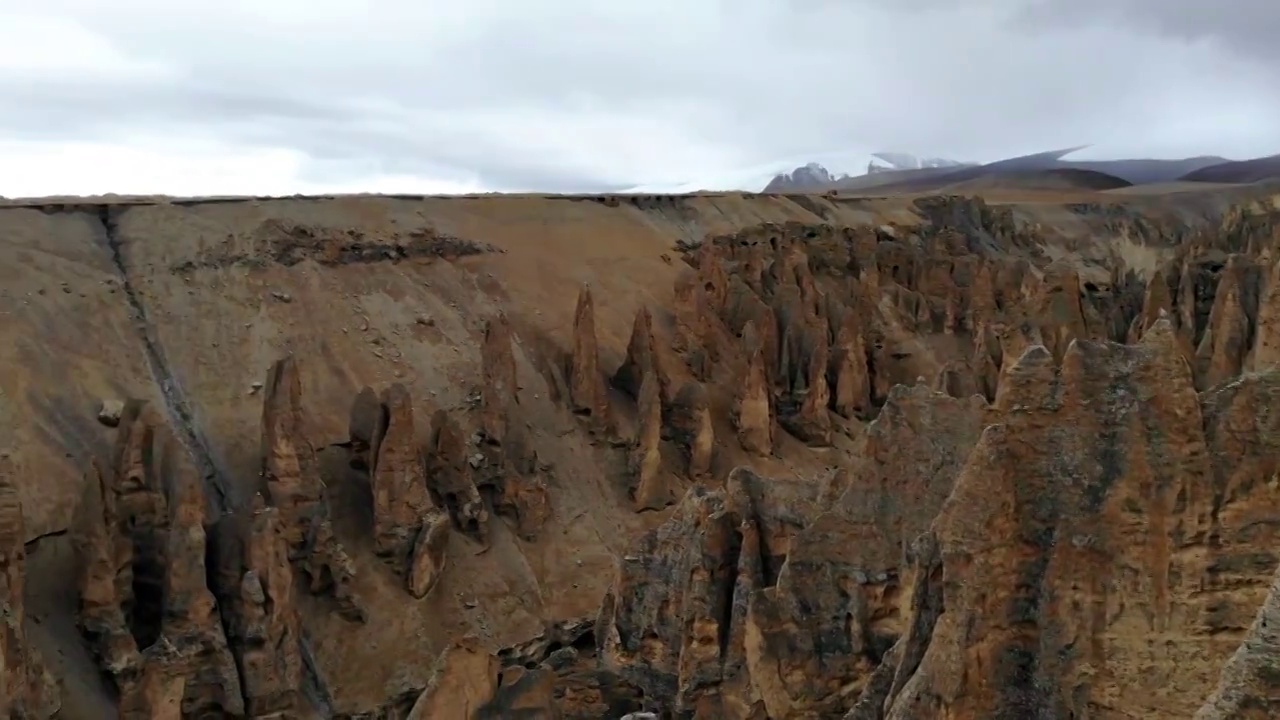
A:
578,95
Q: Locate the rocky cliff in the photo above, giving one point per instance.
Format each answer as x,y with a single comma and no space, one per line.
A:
704,457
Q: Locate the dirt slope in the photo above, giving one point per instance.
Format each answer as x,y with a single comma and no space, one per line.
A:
608,400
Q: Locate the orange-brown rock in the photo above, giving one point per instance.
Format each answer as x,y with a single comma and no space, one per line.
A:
291,477
1157,302
674,622
27,689
662,626
468,682
587,391
701,337
449,477
505,461
498,378
1266,349
837,605
1249,688
1243,431
811,421
408,529
463,681
652,488
691,427
1060,312
1229,330
397,480
522,491
289,469
643,356
256,591
753,406
988,357
818,598
977,510
851,389
145,605
1094,481
744,308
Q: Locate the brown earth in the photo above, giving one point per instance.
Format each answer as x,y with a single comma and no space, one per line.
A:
715,456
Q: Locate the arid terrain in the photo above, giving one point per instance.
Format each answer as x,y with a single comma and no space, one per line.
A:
1006,454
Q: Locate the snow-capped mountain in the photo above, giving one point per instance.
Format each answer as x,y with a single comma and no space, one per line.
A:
809,176
813,177
905,161
813,172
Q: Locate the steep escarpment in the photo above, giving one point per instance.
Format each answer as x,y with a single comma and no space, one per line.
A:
739,457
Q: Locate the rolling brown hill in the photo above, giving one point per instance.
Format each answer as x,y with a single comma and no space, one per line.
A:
1243,171
1064,179
713,456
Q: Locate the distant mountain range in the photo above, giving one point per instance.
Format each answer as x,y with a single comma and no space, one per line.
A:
902,172
896,172
813,177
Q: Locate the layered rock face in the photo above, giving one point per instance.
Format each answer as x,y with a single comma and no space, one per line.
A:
146,608
942,466
28,689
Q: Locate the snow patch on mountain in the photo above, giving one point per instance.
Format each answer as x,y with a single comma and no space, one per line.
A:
906,161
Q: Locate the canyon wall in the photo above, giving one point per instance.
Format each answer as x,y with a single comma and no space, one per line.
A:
708,457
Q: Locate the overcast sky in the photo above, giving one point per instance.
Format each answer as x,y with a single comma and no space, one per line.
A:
282,96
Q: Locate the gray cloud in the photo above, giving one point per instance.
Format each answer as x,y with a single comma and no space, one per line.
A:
1245,28
578,94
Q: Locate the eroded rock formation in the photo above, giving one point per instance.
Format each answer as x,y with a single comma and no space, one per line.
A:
955,469
587,390
256,592
409,530
27,689
145,606
1092,500
291,478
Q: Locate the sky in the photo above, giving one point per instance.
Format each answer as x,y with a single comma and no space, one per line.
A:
191,97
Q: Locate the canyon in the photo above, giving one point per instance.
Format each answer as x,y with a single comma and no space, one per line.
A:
741,456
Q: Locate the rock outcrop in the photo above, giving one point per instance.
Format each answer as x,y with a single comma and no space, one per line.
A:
498,378
1250,686
145,606
292,483
256,592
1090,500
674,623
506,461
409,531
449,474
652,487
644,356
810,600
27,689
587,390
